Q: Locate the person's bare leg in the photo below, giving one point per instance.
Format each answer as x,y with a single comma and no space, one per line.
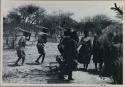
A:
16,63
87,66
100,69
70,75
23,59
96,66
100,66
38,58
43,58
84,66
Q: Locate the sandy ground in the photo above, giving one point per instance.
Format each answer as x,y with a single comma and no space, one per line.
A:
32,73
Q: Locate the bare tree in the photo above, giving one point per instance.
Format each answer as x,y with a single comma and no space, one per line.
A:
24,17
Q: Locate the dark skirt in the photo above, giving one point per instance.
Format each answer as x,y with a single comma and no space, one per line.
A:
84,59
84,55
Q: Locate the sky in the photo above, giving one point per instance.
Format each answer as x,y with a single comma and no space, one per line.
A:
81,9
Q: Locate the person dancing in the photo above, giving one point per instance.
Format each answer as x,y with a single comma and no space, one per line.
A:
42,40
21,47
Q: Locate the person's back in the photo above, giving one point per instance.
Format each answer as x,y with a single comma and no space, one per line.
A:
70,47
69,50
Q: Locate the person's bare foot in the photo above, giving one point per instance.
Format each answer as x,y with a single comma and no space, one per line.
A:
22,64
37,62
16,64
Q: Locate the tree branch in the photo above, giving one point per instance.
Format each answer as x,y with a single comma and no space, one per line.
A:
116,8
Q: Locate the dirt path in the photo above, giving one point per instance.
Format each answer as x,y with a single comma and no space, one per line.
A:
38,74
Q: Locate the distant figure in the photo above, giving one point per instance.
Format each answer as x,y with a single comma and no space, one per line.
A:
42,40
85,51
69,55
21,46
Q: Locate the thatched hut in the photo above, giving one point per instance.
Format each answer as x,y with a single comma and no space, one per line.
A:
113,51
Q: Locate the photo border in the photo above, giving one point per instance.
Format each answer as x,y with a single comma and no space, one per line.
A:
56,85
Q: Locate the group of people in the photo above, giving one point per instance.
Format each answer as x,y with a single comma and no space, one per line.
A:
42,39
105,55
68,47
73,51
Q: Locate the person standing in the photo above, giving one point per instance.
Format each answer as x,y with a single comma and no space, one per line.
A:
69,54
85,51
21,47
42,40
97,53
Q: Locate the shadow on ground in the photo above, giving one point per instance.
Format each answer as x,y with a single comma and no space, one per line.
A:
13,65
33,63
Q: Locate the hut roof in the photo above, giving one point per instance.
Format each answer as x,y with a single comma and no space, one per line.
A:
115,27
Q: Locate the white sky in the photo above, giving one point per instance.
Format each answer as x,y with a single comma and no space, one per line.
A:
80,9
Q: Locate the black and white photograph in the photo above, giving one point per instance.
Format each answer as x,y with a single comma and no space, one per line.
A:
62,42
